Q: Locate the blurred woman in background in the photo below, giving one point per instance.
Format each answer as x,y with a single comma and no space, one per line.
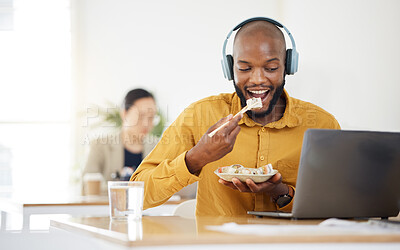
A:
117,157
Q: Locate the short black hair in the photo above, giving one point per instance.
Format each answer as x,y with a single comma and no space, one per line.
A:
133,95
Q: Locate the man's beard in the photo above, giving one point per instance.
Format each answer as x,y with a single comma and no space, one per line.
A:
271,106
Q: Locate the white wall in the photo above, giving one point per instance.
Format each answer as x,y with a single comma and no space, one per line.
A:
348,53
349,59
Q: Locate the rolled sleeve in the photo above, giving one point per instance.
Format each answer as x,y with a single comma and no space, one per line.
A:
182,172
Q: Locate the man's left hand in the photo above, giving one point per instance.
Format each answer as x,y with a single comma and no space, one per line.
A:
271,186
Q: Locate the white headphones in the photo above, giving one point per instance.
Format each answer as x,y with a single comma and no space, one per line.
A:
292,56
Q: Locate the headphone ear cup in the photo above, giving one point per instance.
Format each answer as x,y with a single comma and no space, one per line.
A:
229,59
292,61
288,63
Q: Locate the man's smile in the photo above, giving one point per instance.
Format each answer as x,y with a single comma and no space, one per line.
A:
259,93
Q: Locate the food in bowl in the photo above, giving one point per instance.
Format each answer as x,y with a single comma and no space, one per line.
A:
239,169
258,175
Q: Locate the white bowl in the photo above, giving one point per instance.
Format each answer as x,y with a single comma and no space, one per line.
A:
257,178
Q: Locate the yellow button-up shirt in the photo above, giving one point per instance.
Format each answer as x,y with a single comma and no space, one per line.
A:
164,170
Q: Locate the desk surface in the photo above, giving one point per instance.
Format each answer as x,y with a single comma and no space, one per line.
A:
78,205
57,201
173,230
65,201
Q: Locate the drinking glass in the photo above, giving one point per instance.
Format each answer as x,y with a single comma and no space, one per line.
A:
126,199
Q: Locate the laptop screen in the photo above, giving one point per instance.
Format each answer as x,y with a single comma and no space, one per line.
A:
347,174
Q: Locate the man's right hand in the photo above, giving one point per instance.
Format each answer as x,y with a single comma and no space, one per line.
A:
210,149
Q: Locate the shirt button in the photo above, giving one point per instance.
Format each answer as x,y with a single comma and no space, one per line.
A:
262,158
262,129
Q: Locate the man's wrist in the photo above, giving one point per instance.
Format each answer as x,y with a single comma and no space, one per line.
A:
284,198
193,163
281,189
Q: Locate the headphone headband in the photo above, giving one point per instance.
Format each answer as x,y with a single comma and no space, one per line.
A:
291,54
258,19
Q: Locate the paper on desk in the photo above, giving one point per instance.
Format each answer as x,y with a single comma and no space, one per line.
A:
329,226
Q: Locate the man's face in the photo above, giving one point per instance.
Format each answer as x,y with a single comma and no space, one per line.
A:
259,70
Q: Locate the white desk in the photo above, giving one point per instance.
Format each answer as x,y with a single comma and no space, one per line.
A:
73,206
154,231
78,206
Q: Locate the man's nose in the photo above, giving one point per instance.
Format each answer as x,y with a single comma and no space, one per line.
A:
257,76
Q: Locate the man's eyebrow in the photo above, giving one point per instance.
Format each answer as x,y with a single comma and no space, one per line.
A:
273,59
270,60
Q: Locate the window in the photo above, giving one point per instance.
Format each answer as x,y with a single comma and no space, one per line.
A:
35,96
6,15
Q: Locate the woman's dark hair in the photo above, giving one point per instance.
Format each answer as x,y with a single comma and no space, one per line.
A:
134,95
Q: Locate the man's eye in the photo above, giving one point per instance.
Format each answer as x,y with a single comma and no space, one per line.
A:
246,69
271,69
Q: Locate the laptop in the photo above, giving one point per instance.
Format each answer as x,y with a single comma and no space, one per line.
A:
346,174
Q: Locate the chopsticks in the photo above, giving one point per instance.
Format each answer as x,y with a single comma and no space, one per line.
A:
251,104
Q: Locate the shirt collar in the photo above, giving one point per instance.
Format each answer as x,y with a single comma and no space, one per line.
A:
289,118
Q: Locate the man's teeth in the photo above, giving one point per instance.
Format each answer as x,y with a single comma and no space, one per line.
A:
258,91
